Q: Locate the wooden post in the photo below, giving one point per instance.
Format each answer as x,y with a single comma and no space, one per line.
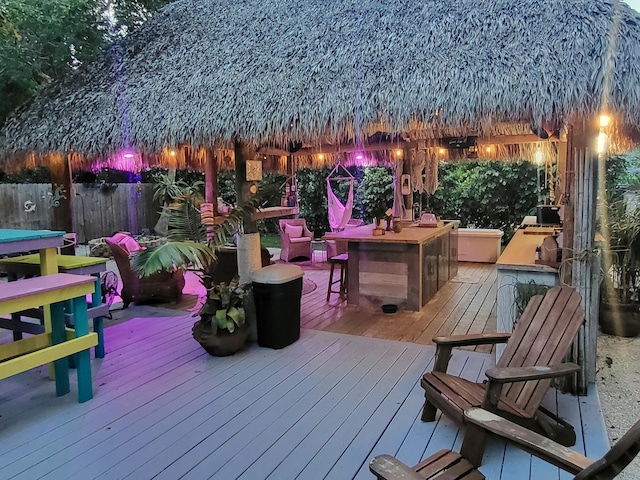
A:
585,261
211,179
61,193
567,179
242,153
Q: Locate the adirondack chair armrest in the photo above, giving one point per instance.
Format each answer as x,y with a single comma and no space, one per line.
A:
521,374
445,344
386,467
534,443
475,339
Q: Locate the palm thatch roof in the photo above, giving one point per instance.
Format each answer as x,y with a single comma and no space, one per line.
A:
203,72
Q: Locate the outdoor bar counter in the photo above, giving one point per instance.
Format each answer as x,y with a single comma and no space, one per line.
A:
404,269
517,265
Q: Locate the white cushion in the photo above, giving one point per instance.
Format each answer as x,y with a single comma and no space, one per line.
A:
294,231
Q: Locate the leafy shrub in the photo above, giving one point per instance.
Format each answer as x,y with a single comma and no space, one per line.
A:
377,188
27,175
312,199
486,194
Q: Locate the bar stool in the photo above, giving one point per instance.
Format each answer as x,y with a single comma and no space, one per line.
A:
341,260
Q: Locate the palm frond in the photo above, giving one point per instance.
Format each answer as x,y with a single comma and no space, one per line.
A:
184,219
171,255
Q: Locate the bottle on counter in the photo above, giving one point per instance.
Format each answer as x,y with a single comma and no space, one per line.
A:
538,252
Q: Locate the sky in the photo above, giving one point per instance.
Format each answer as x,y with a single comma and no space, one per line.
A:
635,4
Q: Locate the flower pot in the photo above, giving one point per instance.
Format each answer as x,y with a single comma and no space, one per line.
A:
222,343
621,319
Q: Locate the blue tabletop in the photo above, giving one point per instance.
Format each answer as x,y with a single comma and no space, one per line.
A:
11,235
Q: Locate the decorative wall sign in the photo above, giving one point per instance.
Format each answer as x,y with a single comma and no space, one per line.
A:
58,194
254,170
29,206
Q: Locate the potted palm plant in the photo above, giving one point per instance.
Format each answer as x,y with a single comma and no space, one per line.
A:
222,329
620,295
191,246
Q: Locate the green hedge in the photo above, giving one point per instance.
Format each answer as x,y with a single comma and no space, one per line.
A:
485,194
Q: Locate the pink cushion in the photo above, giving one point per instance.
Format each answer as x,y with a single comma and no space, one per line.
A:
126,242
294,231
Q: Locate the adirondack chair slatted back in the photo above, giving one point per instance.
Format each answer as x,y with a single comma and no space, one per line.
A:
616,459
542,337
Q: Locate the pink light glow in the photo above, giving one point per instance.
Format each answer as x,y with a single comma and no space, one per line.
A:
126,161
359,156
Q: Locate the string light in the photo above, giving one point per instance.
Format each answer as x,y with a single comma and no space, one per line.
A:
539,157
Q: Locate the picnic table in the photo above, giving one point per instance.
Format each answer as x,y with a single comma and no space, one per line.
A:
51,290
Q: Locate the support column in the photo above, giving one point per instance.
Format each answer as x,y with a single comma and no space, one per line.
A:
61,194
585,273
249,259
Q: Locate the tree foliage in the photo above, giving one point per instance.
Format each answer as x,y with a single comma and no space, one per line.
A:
43,40
486,194
377,192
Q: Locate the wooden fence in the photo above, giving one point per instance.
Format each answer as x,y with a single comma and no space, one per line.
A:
97,212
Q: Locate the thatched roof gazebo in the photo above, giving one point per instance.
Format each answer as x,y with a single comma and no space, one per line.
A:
204,72
343,75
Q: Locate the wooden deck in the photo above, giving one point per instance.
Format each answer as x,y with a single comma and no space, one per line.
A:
467,304
320,408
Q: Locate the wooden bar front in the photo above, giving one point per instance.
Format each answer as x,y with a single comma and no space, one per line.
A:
404,269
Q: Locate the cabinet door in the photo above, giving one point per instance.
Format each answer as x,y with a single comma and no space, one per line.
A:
443,260
429,270
453,250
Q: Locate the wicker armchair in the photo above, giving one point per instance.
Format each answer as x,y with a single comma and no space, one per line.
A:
295,239
160,287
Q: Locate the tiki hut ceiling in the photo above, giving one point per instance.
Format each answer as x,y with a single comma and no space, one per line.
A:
203,72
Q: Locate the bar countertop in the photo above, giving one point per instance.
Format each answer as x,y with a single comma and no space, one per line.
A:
409,234
520,253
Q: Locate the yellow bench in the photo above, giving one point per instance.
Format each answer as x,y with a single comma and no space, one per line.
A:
60,343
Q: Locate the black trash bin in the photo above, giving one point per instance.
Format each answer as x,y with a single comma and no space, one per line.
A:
277,290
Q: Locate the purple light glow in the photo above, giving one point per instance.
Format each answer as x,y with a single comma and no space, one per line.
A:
126,161
359,156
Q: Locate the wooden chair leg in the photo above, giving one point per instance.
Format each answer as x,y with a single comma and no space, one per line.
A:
345,278
474,444
330,280
428,411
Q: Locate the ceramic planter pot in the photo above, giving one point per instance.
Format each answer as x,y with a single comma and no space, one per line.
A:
619,318
222,343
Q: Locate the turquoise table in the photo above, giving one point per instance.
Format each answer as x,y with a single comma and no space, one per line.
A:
46,241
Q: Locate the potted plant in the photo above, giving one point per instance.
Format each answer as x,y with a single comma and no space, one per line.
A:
620,295
222,329
190,245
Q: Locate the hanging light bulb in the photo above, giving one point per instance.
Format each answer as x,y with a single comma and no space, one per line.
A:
539,157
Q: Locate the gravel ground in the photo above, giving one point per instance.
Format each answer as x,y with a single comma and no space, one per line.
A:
618,382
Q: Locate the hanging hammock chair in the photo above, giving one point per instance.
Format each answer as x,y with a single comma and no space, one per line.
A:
339,214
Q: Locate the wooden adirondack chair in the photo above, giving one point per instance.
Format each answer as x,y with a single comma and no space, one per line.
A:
448,465
531,359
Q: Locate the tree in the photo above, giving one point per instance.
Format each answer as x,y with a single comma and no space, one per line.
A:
43,40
